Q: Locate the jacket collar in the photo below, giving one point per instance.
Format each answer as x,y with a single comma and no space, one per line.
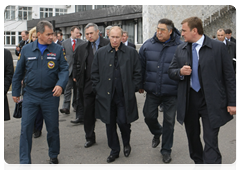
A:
207,42
35,45
122,47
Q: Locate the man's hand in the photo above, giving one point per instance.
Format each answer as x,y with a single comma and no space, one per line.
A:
75,80
185,70
16,99
231,110
18,48
141,90
57,91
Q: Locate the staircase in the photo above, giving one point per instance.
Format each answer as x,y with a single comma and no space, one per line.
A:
208,19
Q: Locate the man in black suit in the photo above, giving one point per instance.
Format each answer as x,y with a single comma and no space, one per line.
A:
125,40
23,42
83,59
229,35
55,39
206,89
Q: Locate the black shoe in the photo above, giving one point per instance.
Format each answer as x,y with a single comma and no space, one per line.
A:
24,167
78,120
155,141
66,111
166,157
112,158
89,144
127,150
198,168
53,161
37,134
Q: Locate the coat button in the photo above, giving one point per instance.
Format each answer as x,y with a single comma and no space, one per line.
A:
109,79
108,93
110,65
158,66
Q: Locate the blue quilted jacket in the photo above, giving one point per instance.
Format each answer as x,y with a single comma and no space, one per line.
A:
155,58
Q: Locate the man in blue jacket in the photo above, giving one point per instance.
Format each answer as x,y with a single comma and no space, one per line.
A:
156,55
45,71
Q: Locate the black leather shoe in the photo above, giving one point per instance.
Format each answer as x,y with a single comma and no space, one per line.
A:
127,150
24,167
66,111
78,120
166,157
198,168
53,161
37,134
112,158
155,141
89,144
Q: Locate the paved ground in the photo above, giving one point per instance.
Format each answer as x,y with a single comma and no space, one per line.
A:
73,138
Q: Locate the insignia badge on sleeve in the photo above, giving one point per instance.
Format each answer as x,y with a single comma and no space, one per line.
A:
19,56
51,64
64,54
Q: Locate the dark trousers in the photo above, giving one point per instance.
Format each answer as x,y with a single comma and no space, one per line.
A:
118,116
38,125
89,116
198,108
150,112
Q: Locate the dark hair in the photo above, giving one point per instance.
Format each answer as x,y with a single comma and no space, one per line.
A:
194,22
26,32
167,22
228,31
41,26
60,33
55,34
73,28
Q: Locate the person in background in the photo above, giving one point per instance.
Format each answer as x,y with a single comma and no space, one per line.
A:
125,40
229,37
60,37
116,76
8,74
23,42
55,39
107,31
206,89
32,35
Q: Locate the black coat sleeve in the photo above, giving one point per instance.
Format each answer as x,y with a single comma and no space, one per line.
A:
95,72
8,70
174,68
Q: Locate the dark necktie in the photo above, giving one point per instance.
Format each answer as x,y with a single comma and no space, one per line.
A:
74,44
94,48
195,80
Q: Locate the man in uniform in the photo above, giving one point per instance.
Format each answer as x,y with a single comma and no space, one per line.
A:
46,75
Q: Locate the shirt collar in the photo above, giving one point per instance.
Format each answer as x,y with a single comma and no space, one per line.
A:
200,41
97,41
73,39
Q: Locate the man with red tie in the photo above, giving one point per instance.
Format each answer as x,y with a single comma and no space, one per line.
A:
69,46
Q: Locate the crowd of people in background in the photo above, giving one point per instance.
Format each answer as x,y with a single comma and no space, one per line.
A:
99,77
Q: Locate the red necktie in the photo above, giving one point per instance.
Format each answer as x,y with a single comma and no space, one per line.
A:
74,43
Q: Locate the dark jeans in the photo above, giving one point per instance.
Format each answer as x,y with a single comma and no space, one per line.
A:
150,112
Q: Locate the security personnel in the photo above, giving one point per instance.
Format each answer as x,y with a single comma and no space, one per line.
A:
46,75
23,42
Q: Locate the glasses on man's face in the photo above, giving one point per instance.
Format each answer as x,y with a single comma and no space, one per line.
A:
160,29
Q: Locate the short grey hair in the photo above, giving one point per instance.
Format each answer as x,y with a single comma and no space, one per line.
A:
91,25
108,27
41,26
125,32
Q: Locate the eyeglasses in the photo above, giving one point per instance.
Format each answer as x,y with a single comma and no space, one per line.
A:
160,30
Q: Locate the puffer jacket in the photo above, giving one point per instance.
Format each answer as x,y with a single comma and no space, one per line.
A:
155,58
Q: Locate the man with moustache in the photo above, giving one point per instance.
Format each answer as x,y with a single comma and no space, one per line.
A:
83,58
116,76
45,72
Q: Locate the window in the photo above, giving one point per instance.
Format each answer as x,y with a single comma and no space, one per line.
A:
24,13
102,6
79,8
59,11
9,38
10,13
46,12
139,31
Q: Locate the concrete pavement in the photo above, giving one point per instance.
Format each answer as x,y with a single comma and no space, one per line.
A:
72,139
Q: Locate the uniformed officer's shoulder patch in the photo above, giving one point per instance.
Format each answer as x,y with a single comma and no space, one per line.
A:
64,54
51,64
19,56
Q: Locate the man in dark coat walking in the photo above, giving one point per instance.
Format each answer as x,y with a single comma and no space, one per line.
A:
116,76
206,89
8,74
83,58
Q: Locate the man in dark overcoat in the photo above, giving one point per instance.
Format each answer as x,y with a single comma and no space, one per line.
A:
83,58
206,89
116,76
8,74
